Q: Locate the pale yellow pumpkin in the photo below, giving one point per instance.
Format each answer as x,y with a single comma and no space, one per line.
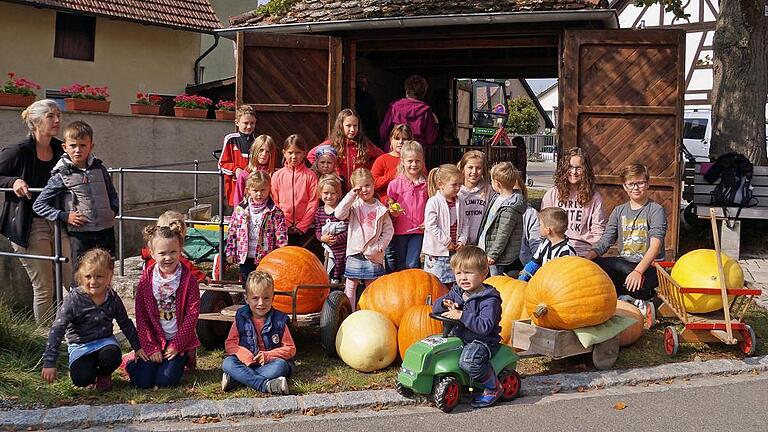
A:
632,333
512,293
568,293
698,269
367,341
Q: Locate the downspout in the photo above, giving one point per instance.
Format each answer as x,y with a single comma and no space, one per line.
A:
203,55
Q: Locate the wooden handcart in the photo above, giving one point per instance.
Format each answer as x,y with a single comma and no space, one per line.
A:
558,344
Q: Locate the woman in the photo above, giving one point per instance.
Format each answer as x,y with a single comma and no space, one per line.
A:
574,191
26,165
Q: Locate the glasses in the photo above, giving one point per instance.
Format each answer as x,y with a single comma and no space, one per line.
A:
575,168
636,185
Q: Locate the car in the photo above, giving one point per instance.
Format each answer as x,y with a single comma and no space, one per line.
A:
697,132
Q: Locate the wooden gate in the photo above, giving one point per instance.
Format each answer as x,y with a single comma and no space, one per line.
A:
292,81
622,98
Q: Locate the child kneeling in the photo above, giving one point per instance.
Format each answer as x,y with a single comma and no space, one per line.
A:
259,345
478,307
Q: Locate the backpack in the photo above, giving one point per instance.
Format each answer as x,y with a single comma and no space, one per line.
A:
734,171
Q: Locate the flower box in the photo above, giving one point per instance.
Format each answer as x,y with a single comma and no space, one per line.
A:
141,109
16,100
225,115
190,112
94,105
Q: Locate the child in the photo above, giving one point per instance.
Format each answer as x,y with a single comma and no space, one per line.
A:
234,155
325,160
409,189
294,189
259,345
89,200
501,229
167,306
370,231
474,192
164,220
329,230
531,236
478,307
445,231
257,226
640,226
553,221
86,315
386,166
413,111
262,158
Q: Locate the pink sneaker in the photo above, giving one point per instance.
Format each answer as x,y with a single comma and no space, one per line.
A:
103,383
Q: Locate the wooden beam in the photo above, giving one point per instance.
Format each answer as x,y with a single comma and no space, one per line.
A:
449,44
641,110
285,41
290,108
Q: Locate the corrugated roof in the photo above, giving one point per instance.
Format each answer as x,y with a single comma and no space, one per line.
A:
195,15
340,10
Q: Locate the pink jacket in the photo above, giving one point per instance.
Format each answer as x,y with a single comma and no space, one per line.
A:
413,199
586,224
295,192
437,226
272,232
373,249
239,191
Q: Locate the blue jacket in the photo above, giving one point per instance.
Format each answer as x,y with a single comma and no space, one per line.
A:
271,333
481,314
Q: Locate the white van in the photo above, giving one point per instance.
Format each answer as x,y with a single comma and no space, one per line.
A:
697,132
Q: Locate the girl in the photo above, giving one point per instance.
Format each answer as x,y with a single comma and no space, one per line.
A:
352,147
574,191
257,226
167,306
329,230
474,192
164,220
445,231
294,189
262,158
234,154
370,231
409,189
385,168
86,315
326,162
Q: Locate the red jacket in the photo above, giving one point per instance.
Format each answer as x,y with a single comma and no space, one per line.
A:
294,190
350,154
234,155
198,274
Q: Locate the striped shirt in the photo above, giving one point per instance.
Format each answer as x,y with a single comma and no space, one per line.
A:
547,251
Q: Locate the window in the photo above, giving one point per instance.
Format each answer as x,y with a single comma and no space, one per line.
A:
695,128
75,37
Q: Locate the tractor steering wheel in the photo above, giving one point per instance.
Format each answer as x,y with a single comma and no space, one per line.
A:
448,323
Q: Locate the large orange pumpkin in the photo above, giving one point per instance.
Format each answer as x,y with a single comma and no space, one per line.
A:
512,302
632,333
415,325
568,293
392,294
698,269
291,266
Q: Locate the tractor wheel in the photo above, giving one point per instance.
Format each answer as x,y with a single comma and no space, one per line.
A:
748,345
403,390
510,385
671,341
335,310
447,394
213,333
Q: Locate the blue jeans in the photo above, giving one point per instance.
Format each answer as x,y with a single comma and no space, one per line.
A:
147,374
496,270
255,376
475,359
407,248
246,268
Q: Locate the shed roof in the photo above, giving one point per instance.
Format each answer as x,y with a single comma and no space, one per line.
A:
193,15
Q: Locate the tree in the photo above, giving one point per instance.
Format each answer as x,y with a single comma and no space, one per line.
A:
523,116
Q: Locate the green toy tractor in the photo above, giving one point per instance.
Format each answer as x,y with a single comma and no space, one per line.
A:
431,367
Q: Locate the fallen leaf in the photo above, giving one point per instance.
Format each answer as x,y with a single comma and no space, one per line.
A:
755,372
619,406
671,381
581,389
277,416
555,390
310,412
379,407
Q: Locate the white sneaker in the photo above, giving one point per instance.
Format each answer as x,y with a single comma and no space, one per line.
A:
627,298
226,382
278,385
648,310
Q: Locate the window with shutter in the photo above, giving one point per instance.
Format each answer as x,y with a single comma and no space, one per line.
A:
75,37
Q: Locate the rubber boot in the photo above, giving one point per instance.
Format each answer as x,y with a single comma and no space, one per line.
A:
491,392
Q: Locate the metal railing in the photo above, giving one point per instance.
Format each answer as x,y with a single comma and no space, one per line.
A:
541,148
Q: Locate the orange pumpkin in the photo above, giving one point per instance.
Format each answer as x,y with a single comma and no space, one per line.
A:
291,266
568,293
512,302
415,325
392,294
631,334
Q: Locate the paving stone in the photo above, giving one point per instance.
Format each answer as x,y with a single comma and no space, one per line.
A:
159,412
319,402
66,416
112,414
21,419
193,409
356,399
277,405
238,407
392,397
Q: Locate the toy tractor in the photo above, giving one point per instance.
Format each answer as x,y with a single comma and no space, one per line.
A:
431,367
489,113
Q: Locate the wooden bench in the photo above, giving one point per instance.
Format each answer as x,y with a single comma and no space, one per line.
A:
698,191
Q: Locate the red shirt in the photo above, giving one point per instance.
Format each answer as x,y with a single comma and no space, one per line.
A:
232,345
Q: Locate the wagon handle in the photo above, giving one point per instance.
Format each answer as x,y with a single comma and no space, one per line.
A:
721,274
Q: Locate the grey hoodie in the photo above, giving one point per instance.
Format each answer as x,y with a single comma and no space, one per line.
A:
505,228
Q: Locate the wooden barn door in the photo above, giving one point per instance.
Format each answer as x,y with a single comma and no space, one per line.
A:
292,81
622,98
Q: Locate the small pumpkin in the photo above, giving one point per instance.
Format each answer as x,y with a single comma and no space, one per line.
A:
570,292
367,341
512,302
291,266
632,333
415,325
698,269
392,294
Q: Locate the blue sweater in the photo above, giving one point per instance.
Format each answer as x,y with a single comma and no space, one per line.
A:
481,314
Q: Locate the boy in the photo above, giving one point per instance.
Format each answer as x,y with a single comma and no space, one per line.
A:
501,229
553,221
237,147
640,226
88,202
259,345
478,307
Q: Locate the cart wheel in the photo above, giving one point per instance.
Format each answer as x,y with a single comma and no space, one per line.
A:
604,354
403,390
447,394
213,333
335,309
671,341
510,384
749,344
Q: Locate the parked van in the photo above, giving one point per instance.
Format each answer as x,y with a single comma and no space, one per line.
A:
697,132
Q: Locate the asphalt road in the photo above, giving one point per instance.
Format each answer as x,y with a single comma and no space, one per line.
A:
541,174
735,403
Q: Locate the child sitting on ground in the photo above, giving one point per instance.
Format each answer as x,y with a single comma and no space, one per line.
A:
331,231
164,220
262,158
259,345
237,146
86,315
478,307
553,221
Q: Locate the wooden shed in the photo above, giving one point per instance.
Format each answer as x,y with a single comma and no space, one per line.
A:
621,91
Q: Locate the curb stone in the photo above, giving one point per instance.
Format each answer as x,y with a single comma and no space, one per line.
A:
82,415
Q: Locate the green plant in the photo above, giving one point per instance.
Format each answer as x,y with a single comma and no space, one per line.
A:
86,91
523,116
276,7
192,101
21,86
